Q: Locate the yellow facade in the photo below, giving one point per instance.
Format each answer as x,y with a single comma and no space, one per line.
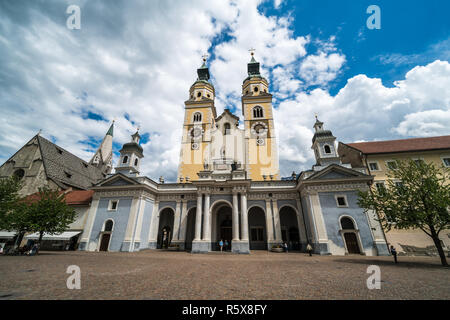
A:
261,156
433,156
409,241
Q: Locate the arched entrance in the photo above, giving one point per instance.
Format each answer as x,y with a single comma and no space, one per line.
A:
222,225
289,228
257,228
106,235
349,233
190,228
165,228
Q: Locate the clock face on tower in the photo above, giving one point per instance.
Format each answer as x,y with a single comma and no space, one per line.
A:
259,129
196,133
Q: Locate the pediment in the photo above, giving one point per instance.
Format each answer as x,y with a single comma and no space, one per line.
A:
118,179
227,116
335,171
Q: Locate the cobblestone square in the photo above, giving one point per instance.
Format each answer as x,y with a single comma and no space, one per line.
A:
181,275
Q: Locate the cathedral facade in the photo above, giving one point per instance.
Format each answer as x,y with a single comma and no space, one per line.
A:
229,188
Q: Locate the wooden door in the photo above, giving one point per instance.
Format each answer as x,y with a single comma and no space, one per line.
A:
105,242
352,243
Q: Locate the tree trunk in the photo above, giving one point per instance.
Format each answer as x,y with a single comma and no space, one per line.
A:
438,245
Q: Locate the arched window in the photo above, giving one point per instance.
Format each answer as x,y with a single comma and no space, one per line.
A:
226,127
19,173
197,117
135,162
327,149
125,159
258,112
109,225
347,223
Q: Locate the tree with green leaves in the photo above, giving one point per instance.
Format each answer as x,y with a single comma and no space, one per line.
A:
417,195
13,209
9,197
50,213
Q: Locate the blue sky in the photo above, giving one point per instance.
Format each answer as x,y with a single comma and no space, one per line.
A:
134,61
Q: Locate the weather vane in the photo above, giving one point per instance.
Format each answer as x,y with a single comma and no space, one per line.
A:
205,56
252,51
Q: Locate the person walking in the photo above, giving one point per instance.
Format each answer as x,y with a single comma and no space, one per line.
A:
226,245
285,247
221,245
394,253
309,249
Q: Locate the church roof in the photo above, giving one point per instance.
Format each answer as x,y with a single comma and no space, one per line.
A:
322,133
111,129
403,145
132,147
226,111
74,197
65,168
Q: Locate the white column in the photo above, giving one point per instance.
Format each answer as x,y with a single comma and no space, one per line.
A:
138,227
235,217
301,223
317,216
176,221
155,223
269,224
206,220
198,218
244,215
90,222
183,224
131,220
277,221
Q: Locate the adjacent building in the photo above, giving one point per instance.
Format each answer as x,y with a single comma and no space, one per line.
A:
379,157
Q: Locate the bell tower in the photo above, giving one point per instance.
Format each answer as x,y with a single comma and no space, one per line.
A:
130,157
261,144
199,120
324,145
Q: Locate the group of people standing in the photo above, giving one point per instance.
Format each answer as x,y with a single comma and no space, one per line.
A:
224,245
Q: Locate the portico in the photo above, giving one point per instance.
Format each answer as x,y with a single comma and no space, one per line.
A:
225,208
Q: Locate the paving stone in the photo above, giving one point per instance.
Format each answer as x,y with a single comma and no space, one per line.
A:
155,274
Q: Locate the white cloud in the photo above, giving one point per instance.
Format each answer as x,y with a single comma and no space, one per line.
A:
425,123
322,68
140,59
364,110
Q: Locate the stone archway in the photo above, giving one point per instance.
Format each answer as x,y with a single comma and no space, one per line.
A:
190,228
221,225
349,233
165,228
257,228
290,228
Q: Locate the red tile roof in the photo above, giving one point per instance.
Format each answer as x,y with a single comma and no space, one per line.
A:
79,197
72,197
404,145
